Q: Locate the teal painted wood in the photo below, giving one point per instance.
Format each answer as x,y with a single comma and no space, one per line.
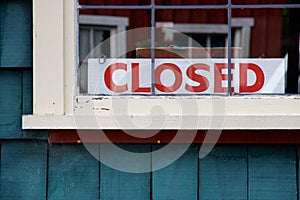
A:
15,33
10,103
117,185
73,173
23,170
179,180
27,105
272,172
223,173
27,91
15,100
298,169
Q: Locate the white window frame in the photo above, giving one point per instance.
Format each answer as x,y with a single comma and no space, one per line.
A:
117,24
113,24
56,100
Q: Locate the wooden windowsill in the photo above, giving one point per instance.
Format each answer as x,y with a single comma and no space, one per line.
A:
250,112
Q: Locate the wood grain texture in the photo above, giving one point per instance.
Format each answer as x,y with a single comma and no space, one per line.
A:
27,91
15,100
116,184
23,170
16,33
27,105
10,103
73,173
223,173
179,180
272,172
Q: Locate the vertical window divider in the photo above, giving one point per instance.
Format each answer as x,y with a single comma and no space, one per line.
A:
78,6
229,12
152,47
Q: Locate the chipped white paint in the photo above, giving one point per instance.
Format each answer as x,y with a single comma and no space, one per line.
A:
240,112
206,105
231,122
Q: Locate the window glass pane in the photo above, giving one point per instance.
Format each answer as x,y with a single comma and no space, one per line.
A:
260,2
257,33
200,28
114,2
107,37
207,16
157,2
89,39
178,34
191,2
272,34
84,43
100,36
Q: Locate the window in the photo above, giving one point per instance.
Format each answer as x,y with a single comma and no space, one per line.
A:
57,99
96,29
92,31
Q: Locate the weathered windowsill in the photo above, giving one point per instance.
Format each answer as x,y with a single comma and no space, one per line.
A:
178,112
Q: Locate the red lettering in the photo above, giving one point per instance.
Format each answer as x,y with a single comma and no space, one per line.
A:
260,78
108,77
219,77
203,81
178,77
136,79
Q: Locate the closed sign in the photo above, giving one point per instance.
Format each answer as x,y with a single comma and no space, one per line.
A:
186,76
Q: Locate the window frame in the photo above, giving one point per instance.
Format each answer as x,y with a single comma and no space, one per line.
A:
55,92
114,25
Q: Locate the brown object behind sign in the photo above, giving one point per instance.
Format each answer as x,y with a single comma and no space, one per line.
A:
190,52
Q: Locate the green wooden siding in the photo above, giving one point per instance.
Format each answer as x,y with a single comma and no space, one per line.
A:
27,91
179,180
223,173
10,103
16,100
272,172
35,169
72,173
23,172
15,33
121,185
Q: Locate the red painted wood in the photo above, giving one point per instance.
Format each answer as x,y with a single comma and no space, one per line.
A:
165,136
216,16
273,46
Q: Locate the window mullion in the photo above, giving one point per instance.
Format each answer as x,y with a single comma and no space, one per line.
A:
229,12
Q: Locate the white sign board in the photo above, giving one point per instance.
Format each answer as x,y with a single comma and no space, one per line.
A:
186,76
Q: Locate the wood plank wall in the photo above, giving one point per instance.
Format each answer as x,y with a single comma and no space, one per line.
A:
34,169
